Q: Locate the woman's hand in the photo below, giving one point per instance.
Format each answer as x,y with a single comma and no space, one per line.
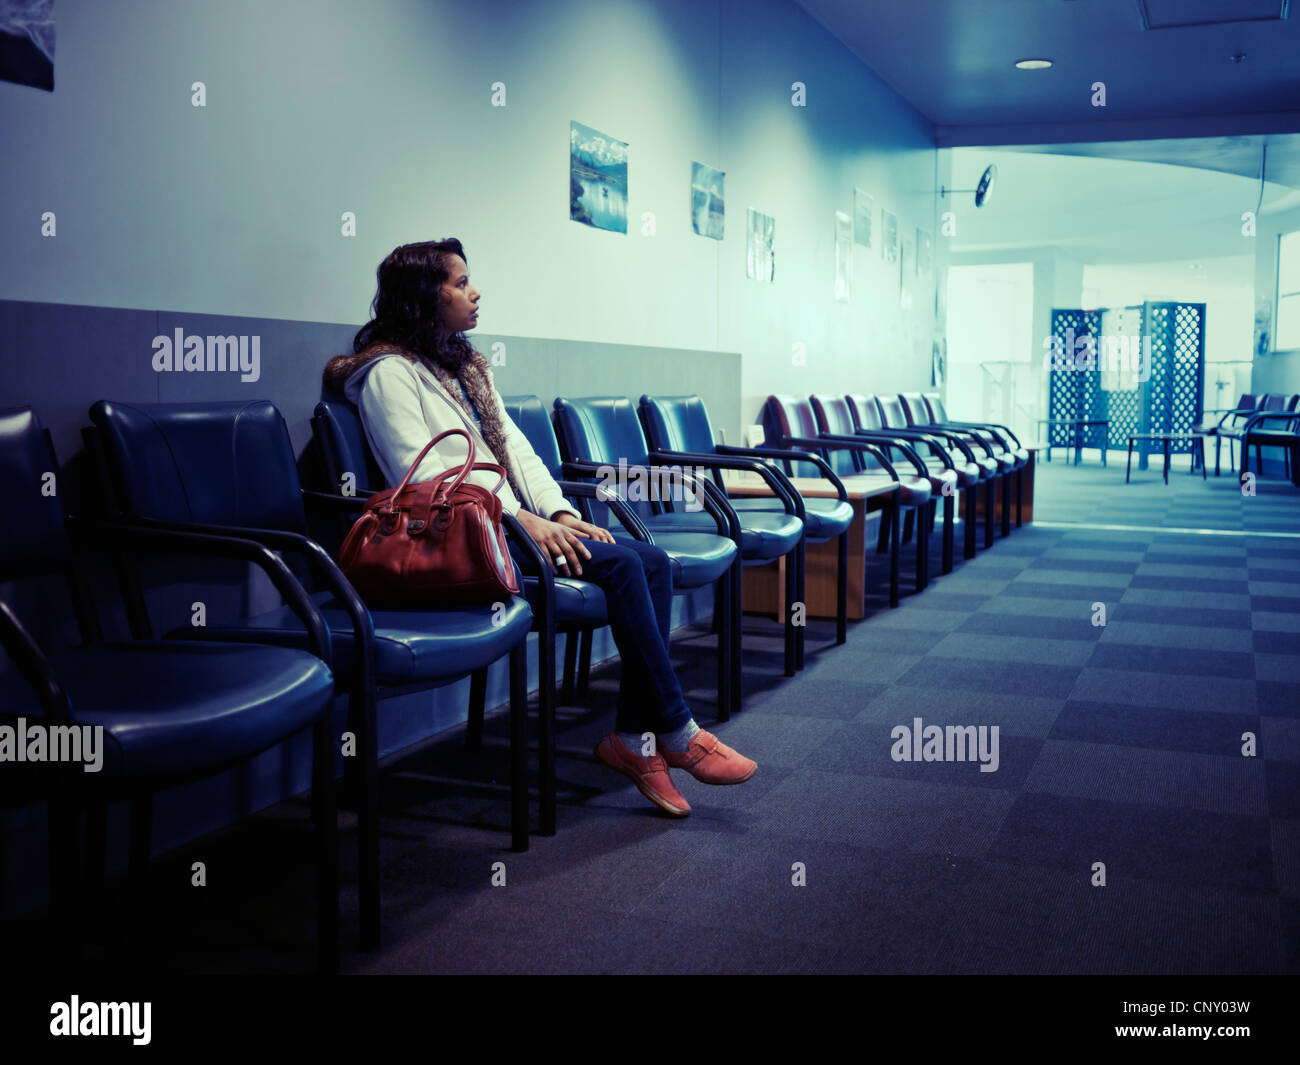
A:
582,528
560,541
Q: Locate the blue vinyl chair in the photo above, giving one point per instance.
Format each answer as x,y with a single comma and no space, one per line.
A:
679,430
947,473
597,434
788,422
229,468
171,712
695,562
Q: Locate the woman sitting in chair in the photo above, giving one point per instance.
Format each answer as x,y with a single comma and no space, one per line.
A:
414,374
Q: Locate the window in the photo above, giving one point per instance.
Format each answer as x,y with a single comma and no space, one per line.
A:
1288,292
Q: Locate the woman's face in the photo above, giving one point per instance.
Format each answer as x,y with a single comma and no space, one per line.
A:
459,297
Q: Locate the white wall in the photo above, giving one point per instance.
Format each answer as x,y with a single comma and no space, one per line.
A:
316,107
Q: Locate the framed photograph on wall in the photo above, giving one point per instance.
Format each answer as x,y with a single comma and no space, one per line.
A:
597,179
864,207
708,209
843,256
889,235
761,252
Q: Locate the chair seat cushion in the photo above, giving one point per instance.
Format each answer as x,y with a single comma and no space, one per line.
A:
763,534
174,710
411,646
696,558
576,601
824,519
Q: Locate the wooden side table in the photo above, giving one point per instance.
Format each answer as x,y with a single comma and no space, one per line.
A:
764,586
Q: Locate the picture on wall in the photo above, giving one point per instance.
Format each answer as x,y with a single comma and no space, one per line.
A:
27,43
761,251
924,253
597,179
889,236
708,209
843,256
864,207
906,257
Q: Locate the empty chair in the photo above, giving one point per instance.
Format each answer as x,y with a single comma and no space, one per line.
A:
229,468
170,712
679,431
789,423
696,562
1229,426
598,434
835,419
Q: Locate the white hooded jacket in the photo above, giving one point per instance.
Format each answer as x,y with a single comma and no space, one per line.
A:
403,406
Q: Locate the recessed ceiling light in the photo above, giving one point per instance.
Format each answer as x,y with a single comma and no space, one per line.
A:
1033,64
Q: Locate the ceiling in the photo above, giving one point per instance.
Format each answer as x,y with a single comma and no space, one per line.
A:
953,60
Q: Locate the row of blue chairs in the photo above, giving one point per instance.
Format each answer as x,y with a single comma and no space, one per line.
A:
221,480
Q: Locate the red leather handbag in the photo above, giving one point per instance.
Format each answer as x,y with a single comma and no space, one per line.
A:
438,542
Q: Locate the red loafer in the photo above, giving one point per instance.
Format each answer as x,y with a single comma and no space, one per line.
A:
650,775
711,761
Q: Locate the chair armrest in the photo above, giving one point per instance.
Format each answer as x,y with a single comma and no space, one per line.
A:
141,534
823,467
33,666
625,515
847,445
1270,415
776,479
540,565
909,453
720,511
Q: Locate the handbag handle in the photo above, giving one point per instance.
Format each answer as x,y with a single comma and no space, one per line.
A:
460,473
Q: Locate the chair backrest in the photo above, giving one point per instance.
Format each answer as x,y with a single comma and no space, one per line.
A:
834,415
865,411
677,423
1272,402
915,408
531,418
938,413
1293,401
603,429
32,538
216,463
784,417
893,415
343,444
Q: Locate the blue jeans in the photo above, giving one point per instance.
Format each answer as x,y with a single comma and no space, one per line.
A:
638,585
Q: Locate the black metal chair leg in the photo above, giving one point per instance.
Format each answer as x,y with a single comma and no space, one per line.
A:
737,628
546,733
842,589
893,554
324,800
570,667
723,622
801,631
64,835
988,511
791,597
584,663
368,821
1006,505
968,533
948,509
519,747
477,708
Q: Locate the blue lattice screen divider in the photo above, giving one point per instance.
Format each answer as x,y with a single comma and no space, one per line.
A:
1169,401
1175,390
1072,393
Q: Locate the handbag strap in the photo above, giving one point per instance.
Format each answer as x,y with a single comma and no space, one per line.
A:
457,473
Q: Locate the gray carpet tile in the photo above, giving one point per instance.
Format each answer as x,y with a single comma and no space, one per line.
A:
1229,784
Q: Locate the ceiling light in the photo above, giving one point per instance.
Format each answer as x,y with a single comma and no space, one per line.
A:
1033,64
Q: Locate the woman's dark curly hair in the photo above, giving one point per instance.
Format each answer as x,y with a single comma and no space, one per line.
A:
407,308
